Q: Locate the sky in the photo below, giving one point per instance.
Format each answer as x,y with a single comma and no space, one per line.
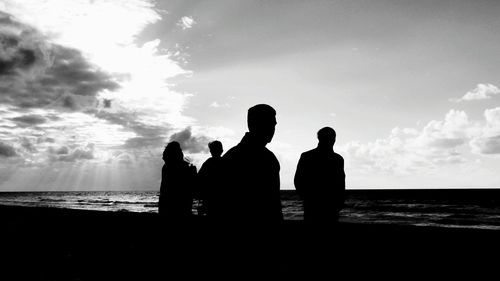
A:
92,91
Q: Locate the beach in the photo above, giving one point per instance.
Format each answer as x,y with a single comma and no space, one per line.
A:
66,244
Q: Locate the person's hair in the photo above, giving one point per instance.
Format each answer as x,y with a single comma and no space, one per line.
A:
215,144
326,134
259,114
173,151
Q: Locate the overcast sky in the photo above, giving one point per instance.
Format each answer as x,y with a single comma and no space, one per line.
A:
91,91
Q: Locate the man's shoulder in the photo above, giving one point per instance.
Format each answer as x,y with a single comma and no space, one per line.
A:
310,153
315,153
235,150
338,156
208,161
240,153
271,155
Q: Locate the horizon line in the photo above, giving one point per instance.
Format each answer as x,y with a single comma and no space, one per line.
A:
347,189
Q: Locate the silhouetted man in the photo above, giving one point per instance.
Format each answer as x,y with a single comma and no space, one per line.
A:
320,180
247,206
251,192
209,177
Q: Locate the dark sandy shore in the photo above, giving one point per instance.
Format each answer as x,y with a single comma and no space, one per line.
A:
63,244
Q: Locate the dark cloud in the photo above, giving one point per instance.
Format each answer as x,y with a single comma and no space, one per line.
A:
10,60
7,150
107,103
62,150
72,71
190,143
147,135
486,145
29,120
34,73
45,140
445,143
20,47
28,145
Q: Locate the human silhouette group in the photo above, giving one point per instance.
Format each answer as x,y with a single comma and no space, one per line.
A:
243,185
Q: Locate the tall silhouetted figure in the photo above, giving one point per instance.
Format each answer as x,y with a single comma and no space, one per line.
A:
209,177
251,189
177,183
320,180
247,207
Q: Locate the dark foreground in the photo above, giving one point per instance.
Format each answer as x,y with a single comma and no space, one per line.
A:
62,244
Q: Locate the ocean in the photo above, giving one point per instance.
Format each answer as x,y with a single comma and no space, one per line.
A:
462,208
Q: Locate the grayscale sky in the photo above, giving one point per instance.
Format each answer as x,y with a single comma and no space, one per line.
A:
91,91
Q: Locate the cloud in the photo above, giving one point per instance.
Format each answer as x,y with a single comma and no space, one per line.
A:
449,133
145,134
84,77
28,145
65,155
107,22
22,48
190,143
7,150
107,103
439,143
186,22
481,92
29,120
487,140
492,117
486,145
74,73
406,151
35,73
125,159
62,150
218,105
70,82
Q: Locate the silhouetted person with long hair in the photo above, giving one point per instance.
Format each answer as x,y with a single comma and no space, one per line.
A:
177,183
320,180
209,177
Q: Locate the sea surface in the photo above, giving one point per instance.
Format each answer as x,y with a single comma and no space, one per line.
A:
463,208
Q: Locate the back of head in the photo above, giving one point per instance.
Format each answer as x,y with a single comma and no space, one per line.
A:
173,152
326,136
261,121
215,148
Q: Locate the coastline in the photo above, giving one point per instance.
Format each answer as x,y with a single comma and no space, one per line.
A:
68,244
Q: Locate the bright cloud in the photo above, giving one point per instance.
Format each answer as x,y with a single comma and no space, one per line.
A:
439,143
95,60
77,86
481,92
90,26
487,141
218,105
449,133
186,22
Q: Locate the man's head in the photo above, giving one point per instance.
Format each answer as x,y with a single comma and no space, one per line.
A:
261,121
326,137
215,148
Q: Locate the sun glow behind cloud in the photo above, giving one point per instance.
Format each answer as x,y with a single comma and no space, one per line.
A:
85,92
133,114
